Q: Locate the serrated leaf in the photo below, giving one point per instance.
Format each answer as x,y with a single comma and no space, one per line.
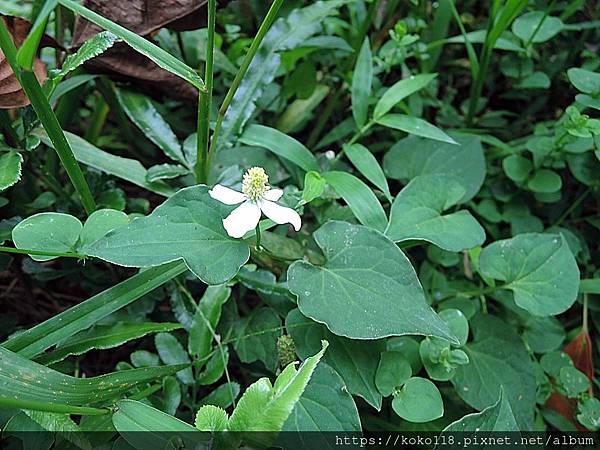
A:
417,215
187,226
367,289
91,48
10,169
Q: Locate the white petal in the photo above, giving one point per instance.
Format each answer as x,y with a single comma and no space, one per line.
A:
226,195
242,219
273,195
281,214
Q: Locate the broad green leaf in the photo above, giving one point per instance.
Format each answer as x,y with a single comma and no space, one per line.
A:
415,126
365,162
552,363
418,401
496,417
359,197
414,156
34,341
516,167
91,48
127,169
103,337
314,185
187,226
393,371
417,215
161,57
63,426
367,289
584,80
262,328
286,33
545,181
215,367
355,361
325,406
361,84
172,352
539,269
457,322
401,90
281,144
10,169
536,27
266,407
144,115
573,381
171,395
47,232
536,80
497,360
98,224
145,427
206,318
22,380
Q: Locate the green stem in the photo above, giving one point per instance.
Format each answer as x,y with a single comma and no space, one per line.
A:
97,121
258,247
585,325
260,35
205,100
573,206
22,251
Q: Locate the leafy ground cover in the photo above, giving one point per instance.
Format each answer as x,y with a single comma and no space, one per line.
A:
334,215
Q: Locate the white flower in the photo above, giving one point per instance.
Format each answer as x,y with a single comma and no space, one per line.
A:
256,197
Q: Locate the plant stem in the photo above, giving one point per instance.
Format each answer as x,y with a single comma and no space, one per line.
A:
585,326
572,207
260,35
258,247
39,252
205,100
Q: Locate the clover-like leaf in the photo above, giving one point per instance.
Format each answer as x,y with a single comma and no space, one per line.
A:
366,290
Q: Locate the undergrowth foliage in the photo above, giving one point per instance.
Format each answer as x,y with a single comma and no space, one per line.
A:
354,216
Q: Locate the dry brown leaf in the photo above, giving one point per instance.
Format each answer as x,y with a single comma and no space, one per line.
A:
143,17
11,94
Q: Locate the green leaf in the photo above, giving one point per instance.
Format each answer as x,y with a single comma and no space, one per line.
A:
417,215
281,144
584,80
47,232
539,269
361,84
545,181
536,27
205,321
79,317
23,381
418,401
264,407
573,381
63,426
262,328
99,224
414,156
145,427
144,115
314,185
497,360
29,48
211,418
496,417
162,58
516,167
367,289
127,169
165,172
536,80
359,197
325,406
172,352
367,164
10,169
187,226
355,361
393,371
415,126
286,33
401,90
104,337
590,286
91,48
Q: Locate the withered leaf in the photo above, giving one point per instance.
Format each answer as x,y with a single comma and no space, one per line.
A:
11,94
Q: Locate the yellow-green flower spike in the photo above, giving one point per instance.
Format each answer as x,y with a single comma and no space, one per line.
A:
255,183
